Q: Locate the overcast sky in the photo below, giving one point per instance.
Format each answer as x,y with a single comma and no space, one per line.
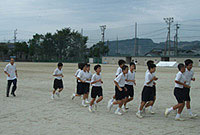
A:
41,16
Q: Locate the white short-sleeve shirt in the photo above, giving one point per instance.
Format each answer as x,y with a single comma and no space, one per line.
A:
120,79
119,71
188,76
181,78
96,77
88,76
82,76
58,72
130,76
148,77
77,71
10,69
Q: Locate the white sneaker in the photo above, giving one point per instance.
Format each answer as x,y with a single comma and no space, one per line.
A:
151,111
73,96
58,94
109,106
52,97
90,109
118,112
87,102
84,105
124,110
166,112
138,114
179,119
192,116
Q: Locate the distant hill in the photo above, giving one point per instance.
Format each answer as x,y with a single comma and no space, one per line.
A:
145,45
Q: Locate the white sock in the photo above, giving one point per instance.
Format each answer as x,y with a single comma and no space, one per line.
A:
139,111
90,107
123,106
178,115
190,111
74,94
118,109
112,99
170,109
95,102
83,101
150,108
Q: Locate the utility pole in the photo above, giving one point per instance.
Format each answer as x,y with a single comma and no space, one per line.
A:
15,36
169,21
103,28
176,40
135,44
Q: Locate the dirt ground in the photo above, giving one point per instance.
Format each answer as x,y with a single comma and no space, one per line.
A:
33,112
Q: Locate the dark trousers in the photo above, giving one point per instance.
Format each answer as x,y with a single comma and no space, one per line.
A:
9,85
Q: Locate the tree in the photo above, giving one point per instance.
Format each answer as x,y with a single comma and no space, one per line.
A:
98,50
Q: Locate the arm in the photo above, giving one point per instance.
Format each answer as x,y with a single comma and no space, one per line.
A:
187,86
7,73
116,83
80,80
16,73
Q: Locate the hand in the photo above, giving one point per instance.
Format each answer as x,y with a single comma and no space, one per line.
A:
193,79
134,82
120,89
186,86
17,75
154,83
101,81
8,75
83,81
125,88
155,78
62,75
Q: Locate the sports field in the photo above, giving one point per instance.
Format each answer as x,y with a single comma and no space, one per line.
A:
33,112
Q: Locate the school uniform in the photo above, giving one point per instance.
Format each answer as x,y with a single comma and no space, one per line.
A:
96,87
188,76
82,86
88,77
120,79
154,86
58,83
148,90
179,90
119,71
129,85
11,69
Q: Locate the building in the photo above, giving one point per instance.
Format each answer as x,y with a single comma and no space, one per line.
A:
143,60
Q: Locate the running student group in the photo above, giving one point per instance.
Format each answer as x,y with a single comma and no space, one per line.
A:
124,87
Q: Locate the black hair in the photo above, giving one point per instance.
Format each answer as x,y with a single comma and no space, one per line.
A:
188,62
124,67
88,65
60,64
120,62
79,65
180,66
132,63
96,67
83,65
149,62
150,66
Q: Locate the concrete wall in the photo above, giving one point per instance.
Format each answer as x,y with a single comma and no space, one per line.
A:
143,60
